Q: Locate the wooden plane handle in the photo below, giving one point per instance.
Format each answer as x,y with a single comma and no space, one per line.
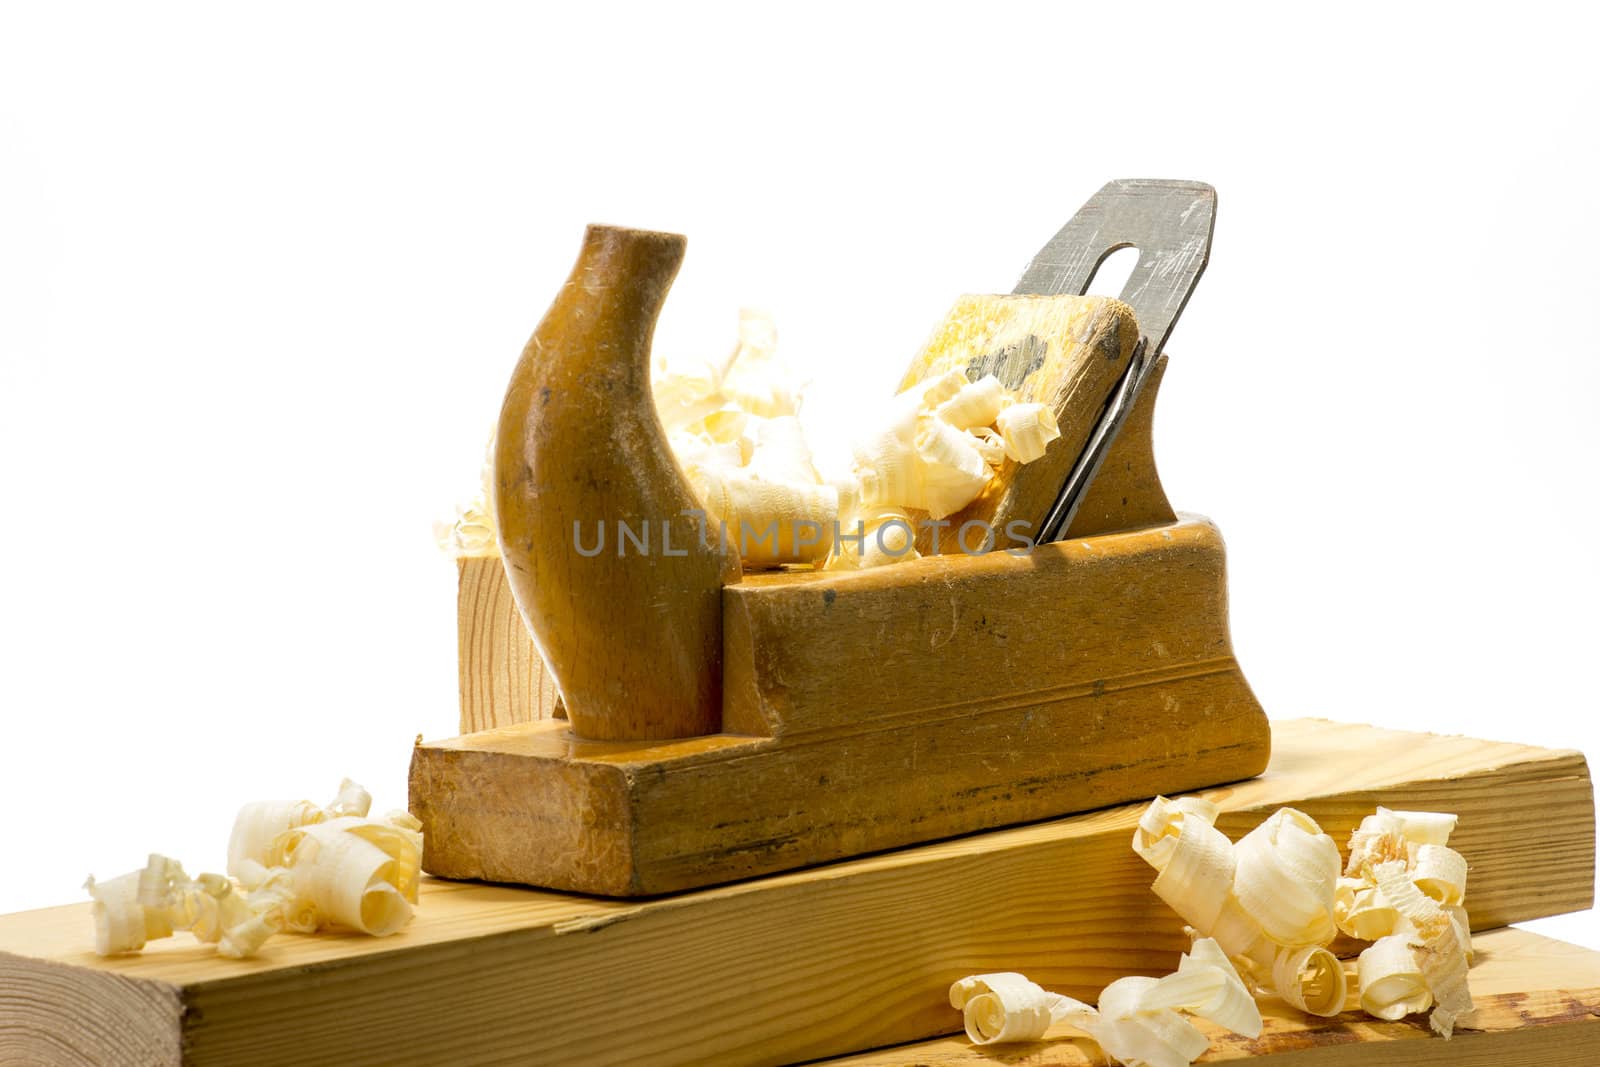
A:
614,575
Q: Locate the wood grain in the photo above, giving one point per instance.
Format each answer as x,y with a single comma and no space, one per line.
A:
1538,1006
1066,352
633,636
883,708
55,1013
503,680
814,963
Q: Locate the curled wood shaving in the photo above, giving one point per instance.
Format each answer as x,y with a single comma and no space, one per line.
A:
295,866
1276,899
1137,1021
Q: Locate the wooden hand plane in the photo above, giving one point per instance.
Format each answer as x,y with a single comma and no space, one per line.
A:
719,726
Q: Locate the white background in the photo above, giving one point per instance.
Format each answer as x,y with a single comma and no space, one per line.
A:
263,277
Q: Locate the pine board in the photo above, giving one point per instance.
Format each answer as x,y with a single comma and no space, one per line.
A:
503,680
804,965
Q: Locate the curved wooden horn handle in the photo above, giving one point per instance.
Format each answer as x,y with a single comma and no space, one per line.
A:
616,579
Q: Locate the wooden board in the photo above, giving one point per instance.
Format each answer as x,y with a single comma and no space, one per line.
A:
503,680
875,709
1538,1006
809,964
